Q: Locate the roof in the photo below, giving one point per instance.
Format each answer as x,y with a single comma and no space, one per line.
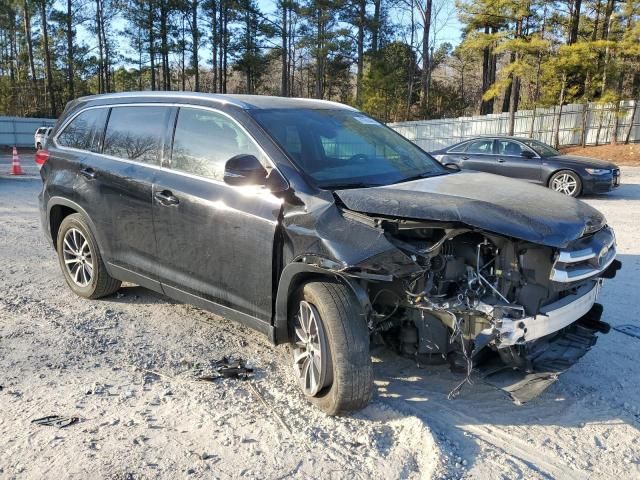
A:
247,102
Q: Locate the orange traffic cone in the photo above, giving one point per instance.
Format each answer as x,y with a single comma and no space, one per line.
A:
16,169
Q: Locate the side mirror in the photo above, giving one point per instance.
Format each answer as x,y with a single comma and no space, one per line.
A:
527,154
244,169
452,167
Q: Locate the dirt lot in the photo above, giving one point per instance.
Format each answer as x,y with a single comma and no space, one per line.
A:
623,155
60,354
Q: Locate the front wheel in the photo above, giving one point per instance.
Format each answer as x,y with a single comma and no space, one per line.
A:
330,343
566,182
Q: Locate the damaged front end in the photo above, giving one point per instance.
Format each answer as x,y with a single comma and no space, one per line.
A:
518,311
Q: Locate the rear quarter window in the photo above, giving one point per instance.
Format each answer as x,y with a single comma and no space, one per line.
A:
85,131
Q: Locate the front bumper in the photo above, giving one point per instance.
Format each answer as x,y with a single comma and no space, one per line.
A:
601,183
552,318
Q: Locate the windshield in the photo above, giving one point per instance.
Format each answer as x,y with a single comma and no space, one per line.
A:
345,148
543,149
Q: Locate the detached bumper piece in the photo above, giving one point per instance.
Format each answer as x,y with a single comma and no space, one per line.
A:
544,360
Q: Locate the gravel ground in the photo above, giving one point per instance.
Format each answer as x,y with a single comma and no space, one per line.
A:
126,366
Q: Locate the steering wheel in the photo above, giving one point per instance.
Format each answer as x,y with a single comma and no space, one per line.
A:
359,157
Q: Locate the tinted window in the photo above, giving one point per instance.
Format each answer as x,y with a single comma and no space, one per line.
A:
135,133
506,147
84,131
460,148
542,148
481,146
205,140
342,148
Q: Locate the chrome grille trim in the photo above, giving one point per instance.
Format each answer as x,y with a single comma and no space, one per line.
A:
586,258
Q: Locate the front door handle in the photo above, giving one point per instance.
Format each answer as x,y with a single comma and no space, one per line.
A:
465,158
88,173
501,160
166,198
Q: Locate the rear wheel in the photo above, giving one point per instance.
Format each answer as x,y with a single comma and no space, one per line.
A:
330,343
566,182
80,260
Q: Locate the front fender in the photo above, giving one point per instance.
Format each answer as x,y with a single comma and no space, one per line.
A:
297,274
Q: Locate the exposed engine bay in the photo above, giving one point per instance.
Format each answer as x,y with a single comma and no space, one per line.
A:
477,294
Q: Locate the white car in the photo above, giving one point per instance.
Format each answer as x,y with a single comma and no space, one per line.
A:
40,137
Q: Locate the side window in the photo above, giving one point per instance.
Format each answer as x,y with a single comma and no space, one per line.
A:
460,148
481,146
506,147
84,131
135,133
204,140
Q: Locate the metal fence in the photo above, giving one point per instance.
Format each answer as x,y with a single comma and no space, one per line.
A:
599,123
19,131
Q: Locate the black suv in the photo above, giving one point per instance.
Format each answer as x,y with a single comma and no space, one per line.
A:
322,228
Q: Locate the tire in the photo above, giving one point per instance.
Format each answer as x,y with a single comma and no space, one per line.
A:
74,236
348,380
566,182
39,146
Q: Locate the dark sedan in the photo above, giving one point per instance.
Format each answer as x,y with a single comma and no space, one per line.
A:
533,161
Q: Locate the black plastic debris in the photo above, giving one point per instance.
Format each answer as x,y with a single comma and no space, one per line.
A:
549,358
55,421
225,368
627,329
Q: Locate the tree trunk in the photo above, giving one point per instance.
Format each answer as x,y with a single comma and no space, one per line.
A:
575,23
515,86
556,133
284,72
489,61
152,44
164,46
29,39
214,44
606,21
375,27
362,11
627,135
47,59
70,83
426,63
195,43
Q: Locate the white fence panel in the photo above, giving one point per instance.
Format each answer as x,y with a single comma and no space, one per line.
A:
600,123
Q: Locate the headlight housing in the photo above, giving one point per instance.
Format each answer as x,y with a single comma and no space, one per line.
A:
598,171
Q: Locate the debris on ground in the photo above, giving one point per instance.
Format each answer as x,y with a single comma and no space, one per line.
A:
225,368
55,421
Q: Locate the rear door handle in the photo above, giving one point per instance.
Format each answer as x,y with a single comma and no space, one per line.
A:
501,160
465,158
88,172
166,198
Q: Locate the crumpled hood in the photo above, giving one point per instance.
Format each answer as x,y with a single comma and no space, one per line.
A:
489,202
585,162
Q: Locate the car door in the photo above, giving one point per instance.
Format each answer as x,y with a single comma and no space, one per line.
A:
120,179
479,156
215,241
516,160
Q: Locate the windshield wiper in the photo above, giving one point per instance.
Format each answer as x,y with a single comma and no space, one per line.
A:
420,176
346,185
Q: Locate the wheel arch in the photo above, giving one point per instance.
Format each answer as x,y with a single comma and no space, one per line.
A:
296,274
58,209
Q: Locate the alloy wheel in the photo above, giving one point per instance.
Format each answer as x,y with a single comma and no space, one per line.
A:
310,353
77,257
565,183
